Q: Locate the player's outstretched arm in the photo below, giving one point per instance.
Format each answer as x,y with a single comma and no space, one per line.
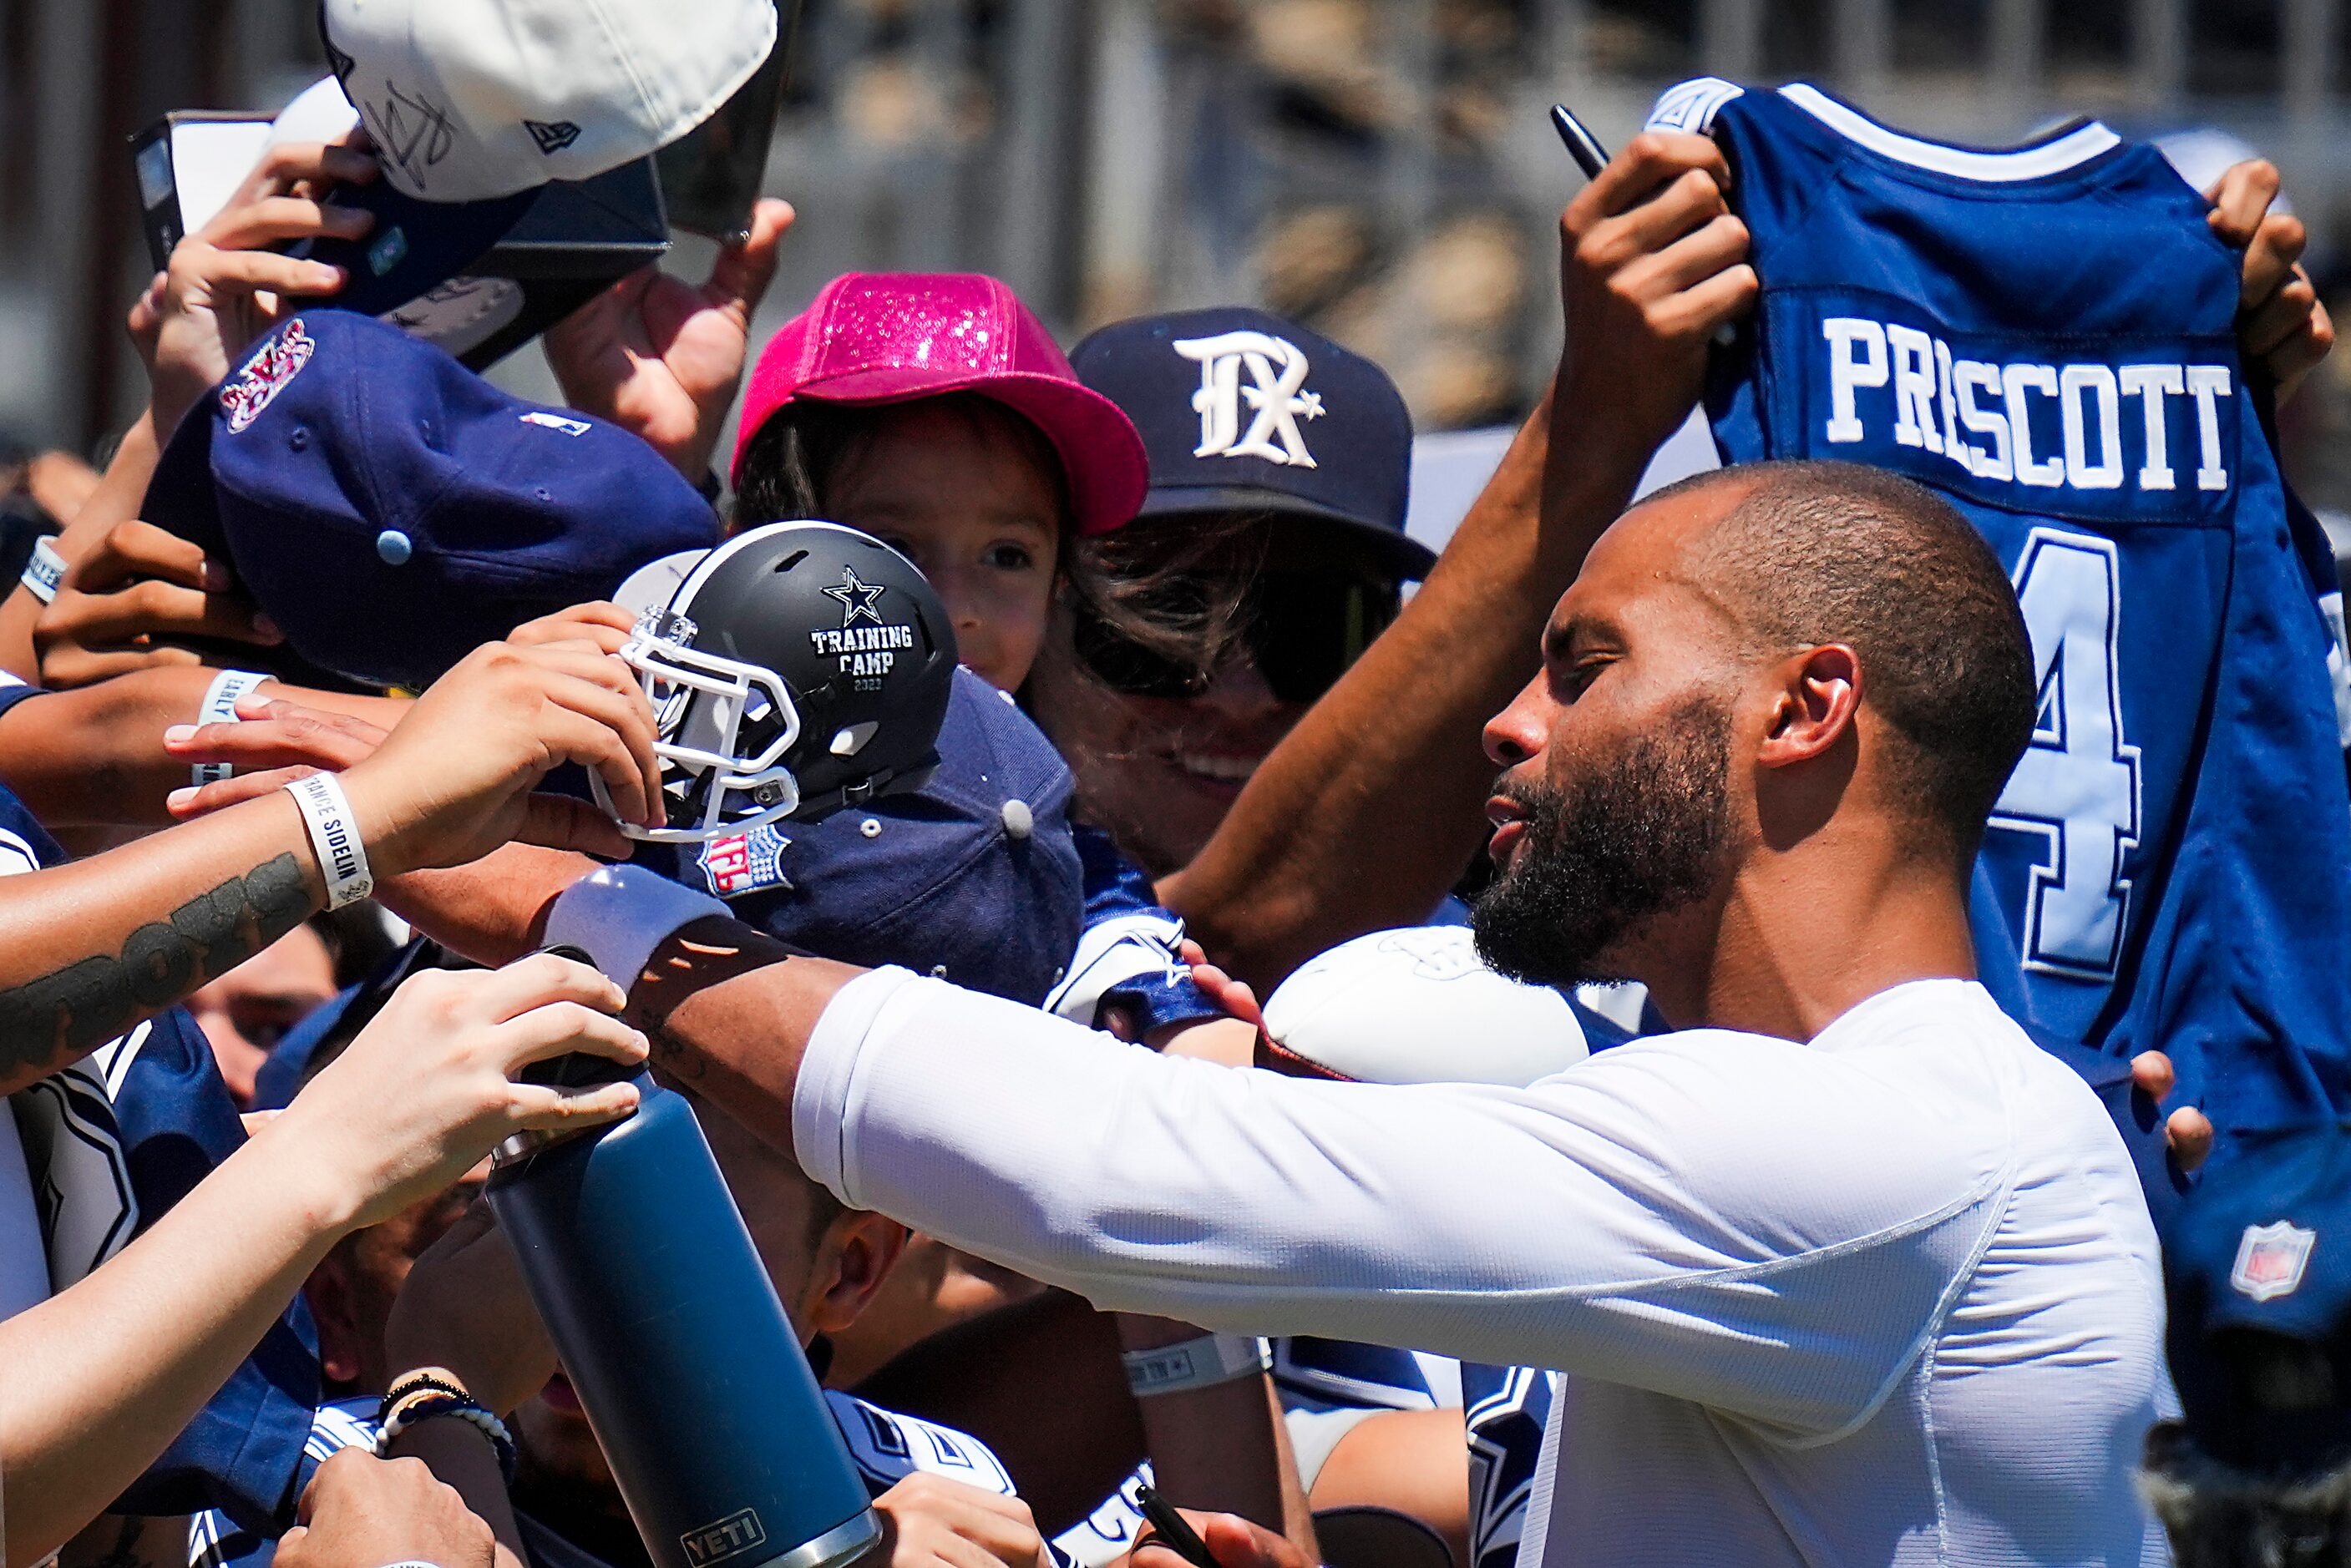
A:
103,1376
88,949
1652,262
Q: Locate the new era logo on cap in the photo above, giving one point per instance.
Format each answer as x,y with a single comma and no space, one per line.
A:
554,137
2270,1259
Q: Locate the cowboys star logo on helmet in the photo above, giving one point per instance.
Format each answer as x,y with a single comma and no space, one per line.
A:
768,702
856,598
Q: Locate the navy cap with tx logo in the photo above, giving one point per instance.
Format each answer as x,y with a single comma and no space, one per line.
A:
1243,412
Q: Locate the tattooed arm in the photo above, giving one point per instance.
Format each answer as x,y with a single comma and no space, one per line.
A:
88,949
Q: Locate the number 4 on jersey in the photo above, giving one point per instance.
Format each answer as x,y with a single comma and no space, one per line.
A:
2078,785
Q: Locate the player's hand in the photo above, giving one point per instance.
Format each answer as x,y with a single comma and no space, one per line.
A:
463,1308
1231,1540
930,1521
2280,325
1652,262
271,743
454,780
661,359
223,287
2187,1132
600,624
426,1090
126,600
361,1511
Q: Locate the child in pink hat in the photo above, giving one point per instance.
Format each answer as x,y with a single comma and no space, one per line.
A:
934,411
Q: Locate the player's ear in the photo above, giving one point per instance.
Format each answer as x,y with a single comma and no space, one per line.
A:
1814,695
857,1252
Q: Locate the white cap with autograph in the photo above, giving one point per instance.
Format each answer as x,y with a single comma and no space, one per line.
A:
472,99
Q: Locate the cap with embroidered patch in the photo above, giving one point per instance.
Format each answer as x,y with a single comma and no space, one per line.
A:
392,511
972,875
891,337
2257,1266
1243,412
468,99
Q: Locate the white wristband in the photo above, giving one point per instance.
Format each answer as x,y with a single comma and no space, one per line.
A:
618,915
334,838
1201,1363
220,708
46,571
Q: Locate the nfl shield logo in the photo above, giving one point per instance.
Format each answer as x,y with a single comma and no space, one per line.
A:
745,862
2270,1259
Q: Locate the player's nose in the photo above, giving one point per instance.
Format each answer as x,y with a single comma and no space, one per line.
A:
1517,733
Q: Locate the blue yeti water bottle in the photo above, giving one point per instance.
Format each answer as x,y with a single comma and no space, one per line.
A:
669,1328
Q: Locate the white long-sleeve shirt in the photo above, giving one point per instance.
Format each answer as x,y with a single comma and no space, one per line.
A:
1890,1296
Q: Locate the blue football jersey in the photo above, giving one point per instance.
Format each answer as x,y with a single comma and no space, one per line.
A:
2046,335
112,1142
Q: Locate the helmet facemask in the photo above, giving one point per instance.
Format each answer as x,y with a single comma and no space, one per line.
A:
722,730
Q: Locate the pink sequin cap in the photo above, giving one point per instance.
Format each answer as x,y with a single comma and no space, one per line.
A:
890,338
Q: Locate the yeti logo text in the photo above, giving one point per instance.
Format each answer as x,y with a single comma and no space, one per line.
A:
730,1537
1277,372
2043,425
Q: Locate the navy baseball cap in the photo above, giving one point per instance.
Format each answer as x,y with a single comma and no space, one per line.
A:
2257,1269
392,511
973,875
1243,412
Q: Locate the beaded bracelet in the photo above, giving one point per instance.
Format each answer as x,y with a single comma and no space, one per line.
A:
426,1404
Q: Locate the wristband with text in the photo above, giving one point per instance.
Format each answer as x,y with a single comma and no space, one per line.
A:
220,708
619,915
46,571
334,838
1202,1362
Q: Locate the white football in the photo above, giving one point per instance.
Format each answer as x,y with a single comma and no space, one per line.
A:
1418,1006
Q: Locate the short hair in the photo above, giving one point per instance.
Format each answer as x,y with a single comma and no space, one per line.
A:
1820,552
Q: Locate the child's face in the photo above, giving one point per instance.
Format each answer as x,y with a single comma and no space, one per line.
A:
959,493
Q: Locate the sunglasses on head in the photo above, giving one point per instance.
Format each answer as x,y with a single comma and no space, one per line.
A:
1302,630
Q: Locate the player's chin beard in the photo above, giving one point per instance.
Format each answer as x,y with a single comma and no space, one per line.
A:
1640,837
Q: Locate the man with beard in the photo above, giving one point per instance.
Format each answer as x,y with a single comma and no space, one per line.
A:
1847,1270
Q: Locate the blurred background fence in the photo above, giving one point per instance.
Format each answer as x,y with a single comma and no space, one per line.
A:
1380,169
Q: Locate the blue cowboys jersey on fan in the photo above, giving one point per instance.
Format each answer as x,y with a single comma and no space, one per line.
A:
1503,1410
886,1447
2047,336
112,1142
1126,956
